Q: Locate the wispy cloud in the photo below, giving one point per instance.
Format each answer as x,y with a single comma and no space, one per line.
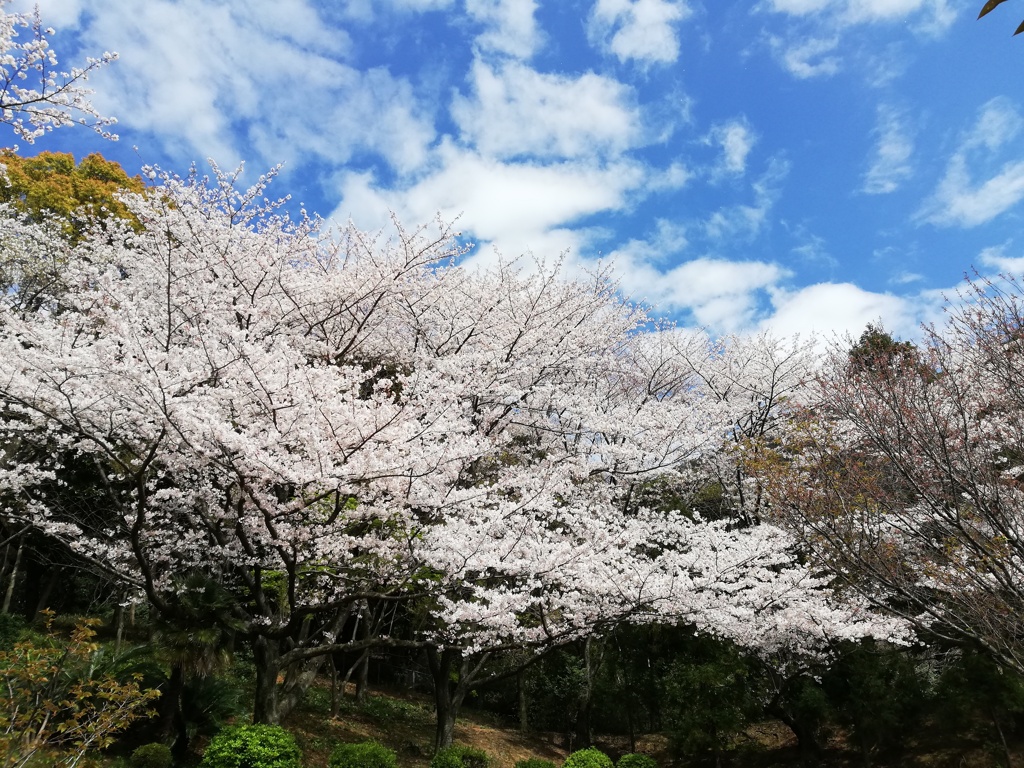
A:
638,30
805,59
890,162
745,222
929,16
962,201
736,139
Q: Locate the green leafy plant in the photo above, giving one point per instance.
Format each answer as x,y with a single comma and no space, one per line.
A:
252,746
365,754
535,762
153,755
53,697
590,757
460,756
634,760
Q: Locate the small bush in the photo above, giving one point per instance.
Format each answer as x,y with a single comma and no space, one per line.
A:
460,756
153,755
588,758
366,754
535,762
11,629
634,760
252,746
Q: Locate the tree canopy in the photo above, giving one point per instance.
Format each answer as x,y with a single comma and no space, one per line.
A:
52,184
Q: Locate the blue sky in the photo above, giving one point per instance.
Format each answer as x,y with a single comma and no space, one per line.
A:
795,165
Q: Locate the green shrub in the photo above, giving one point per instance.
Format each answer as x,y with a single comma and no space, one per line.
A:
535,762
460,756
366,754
153,755
11,629
588,758
634,760
252,746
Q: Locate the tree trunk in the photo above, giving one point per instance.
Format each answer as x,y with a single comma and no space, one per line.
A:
583,733
267,657
441,667
524,722
806,737
9,593
335,688
298,677
448,693
44,596
363,678
172,729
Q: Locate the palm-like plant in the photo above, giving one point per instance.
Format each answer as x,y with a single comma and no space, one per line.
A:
990,5
196,645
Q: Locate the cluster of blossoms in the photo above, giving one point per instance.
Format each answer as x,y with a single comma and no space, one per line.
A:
36,96
315,420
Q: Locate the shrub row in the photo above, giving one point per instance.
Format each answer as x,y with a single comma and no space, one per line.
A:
270,746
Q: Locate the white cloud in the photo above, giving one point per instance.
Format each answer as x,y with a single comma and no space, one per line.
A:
890,158
519,111
736,140
59,14
719,294
639,30
259,80
961,201
808,58
996,258
510,26
514,206
837,308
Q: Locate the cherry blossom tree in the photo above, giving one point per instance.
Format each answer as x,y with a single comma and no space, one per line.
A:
35,95
904,477
311,423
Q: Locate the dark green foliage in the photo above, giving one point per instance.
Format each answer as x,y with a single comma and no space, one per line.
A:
588,758
253,746
535,762
152,756
974,694
207,703
876,349
365,754
634,760
460,756
877,693
11,627
711,696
